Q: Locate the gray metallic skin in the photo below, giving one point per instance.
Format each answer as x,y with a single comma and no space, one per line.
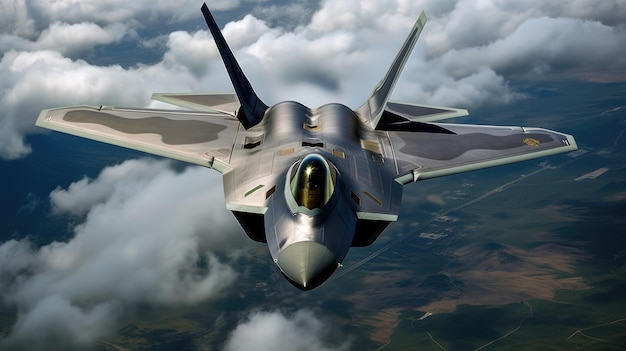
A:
334,133
310,182
318,132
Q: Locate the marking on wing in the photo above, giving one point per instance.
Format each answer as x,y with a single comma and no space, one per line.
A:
172,132
531,142
448,146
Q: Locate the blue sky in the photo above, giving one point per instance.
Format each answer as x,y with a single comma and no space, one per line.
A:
119,52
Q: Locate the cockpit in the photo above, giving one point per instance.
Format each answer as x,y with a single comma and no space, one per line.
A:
312,182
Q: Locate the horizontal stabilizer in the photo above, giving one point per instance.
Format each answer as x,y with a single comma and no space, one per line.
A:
424,113
226,103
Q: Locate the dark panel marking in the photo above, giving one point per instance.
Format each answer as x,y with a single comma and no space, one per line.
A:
173,132
393,123
252,145
252,141
312,144
446,147
355,198
415,111
253,224
367,231
270,192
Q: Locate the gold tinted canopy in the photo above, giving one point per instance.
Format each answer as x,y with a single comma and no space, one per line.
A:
313,182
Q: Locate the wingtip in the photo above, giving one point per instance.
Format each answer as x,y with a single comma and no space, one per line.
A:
423,18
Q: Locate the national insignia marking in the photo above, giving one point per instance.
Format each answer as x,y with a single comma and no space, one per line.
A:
531,142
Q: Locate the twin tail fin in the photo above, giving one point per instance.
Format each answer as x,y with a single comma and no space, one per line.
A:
252,109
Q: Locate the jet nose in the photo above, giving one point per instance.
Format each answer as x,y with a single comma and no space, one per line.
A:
307,264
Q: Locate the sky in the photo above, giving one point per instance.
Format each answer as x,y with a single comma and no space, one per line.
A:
118,53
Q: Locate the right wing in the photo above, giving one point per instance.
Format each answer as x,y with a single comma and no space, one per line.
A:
439,149
202,138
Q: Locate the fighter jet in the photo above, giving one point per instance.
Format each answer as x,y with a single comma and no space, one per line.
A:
310,182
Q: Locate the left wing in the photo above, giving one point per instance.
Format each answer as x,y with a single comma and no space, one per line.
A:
444,149
202,138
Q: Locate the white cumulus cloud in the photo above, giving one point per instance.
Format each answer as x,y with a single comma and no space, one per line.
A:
275,331
469,52
148,234
157,237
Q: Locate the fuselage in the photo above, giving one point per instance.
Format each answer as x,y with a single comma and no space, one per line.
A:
311,220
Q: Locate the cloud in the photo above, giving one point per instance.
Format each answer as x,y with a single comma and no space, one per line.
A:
47,322
81,196
542,45
67,39
156,237
70,39
195,51
15,19
147,234
142,12
34,80
275,331
476,23
289,15
469,52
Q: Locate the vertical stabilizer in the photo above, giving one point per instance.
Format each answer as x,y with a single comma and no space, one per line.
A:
252,108
371,111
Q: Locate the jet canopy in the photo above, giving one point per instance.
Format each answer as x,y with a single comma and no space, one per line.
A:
312,182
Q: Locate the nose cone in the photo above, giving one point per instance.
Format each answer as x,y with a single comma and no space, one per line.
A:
307,264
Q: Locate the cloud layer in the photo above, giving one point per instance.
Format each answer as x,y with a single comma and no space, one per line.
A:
468,53
274,331
145,235
157,236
